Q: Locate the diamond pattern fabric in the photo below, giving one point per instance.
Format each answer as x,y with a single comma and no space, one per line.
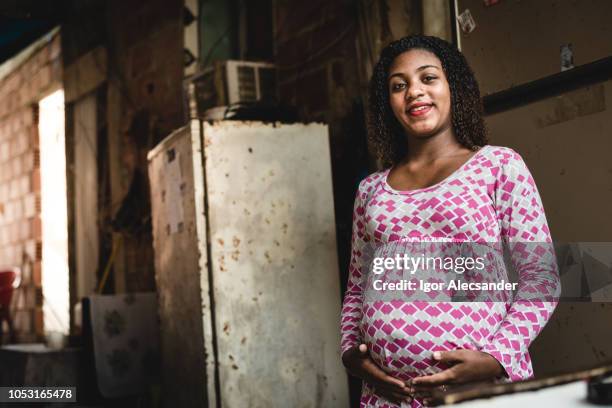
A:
492,198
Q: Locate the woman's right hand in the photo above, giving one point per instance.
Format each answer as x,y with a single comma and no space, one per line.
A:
358,362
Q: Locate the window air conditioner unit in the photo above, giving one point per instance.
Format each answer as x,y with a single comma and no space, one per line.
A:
230,82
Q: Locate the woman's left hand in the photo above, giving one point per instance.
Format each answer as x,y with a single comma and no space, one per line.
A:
465,366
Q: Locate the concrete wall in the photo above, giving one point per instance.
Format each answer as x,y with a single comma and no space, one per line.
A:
25,79
564,140
570,164
524,38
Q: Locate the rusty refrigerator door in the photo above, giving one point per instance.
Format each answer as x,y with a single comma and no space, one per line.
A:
246,266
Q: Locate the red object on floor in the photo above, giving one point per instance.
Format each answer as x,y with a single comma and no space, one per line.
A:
9,281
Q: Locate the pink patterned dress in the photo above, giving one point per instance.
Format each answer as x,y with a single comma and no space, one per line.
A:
492,198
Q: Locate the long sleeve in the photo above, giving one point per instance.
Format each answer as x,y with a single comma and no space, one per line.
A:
353,299
525,232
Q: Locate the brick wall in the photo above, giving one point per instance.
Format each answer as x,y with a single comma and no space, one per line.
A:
20,223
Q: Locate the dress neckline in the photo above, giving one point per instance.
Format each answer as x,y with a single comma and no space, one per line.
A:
460,169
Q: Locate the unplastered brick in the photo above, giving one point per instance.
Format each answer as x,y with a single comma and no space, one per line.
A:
12,147
18,208
9,213
3,236
33,134
13,81
29,248
25,229
4,192
29,116
37,273
25,184
24,94
43,55
35,228
29,205
16,163
43,78
19,252
16,255
8,170
14,188
20,224
13,119
55,47
9,252
4,151
14,231
32,91
21,143
28,161
35,181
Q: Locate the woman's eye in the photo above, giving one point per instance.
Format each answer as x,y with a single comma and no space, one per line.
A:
429,78
398,87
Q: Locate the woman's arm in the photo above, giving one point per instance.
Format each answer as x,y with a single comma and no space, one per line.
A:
525,231
353,300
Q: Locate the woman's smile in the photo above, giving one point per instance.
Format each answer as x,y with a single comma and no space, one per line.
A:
419,109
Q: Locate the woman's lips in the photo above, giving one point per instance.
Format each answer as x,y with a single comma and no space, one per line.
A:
420,110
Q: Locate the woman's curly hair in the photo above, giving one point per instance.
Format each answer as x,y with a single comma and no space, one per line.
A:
387,135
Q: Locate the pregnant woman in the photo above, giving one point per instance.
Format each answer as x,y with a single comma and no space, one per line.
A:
442,182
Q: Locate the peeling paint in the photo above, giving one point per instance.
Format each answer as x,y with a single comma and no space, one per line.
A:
272,236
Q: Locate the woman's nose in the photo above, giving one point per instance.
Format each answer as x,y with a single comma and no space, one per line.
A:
414,91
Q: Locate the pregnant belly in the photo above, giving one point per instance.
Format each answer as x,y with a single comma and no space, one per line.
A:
402,336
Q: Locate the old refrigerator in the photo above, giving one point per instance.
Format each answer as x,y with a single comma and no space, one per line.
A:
246,266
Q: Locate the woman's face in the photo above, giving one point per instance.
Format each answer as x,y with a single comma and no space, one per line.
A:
419,94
